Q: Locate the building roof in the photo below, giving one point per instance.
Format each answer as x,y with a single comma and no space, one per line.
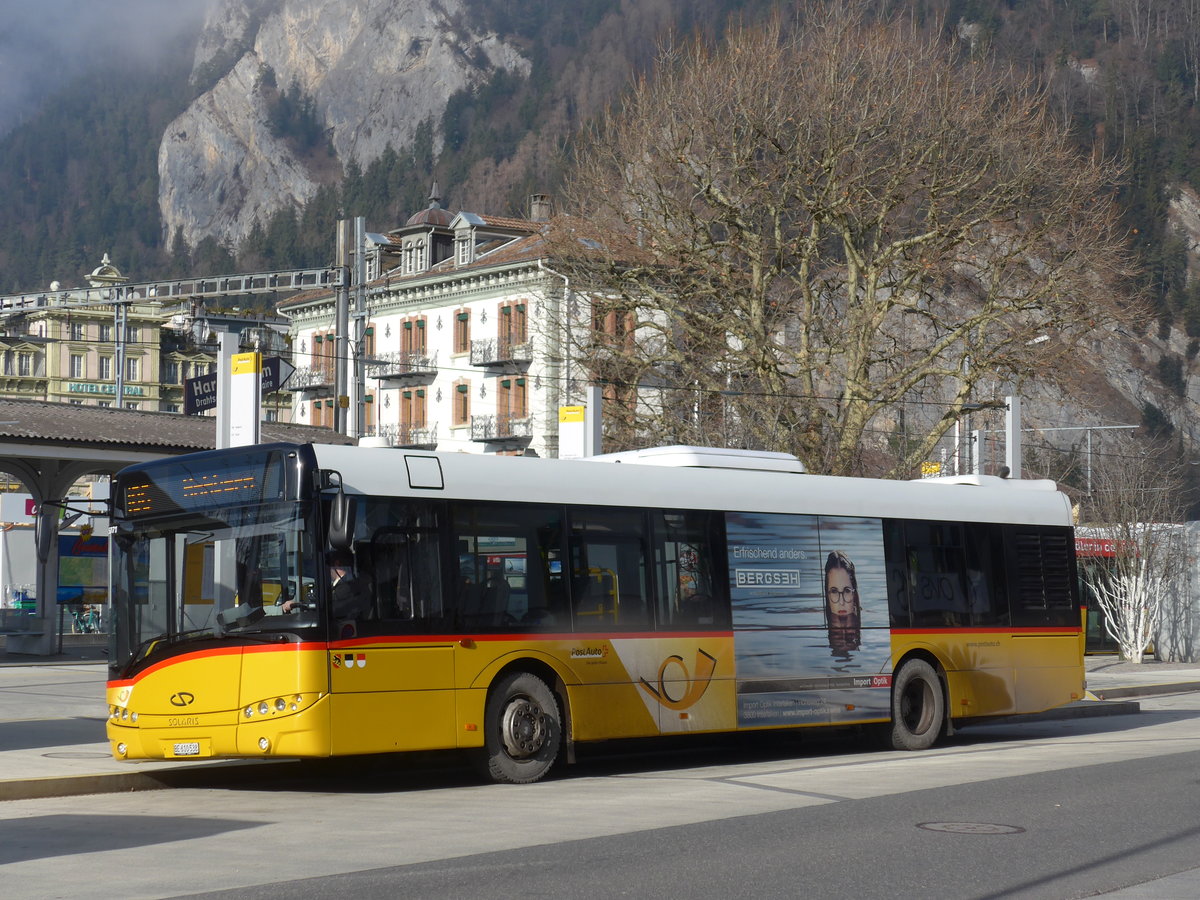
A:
504,250
43,423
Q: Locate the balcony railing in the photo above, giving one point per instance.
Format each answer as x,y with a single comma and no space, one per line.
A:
501,428
402,364
411,437
310,378
496,352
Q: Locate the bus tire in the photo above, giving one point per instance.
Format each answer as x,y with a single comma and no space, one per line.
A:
523,729
918,707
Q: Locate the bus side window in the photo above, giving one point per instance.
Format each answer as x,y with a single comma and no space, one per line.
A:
508,566
691,593
609,584
987,592
936,586
404,564
896,555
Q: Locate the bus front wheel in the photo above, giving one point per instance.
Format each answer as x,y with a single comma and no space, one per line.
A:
523,729
918,707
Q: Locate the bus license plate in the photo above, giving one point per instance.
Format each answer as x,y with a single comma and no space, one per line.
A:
187,748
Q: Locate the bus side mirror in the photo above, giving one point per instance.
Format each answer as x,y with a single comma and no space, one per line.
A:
341,522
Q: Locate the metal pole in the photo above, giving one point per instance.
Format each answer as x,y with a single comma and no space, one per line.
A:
341,329
120,324
359,399
1012,427
1089,462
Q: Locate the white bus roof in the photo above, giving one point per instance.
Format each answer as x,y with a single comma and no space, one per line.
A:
706,458
411,473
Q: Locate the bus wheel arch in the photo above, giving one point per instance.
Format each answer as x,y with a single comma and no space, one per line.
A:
524,718
919,704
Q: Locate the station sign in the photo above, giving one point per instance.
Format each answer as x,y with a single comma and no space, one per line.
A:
200,393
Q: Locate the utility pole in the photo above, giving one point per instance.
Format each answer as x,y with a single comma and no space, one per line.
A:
1012,435
359,398
341,330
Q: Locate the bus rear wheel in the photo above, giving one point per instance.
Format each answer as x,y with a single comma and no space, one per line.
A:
523,729
918,707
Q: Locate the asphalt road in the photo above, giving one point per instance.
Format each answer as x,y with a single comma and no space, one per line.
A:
1052,809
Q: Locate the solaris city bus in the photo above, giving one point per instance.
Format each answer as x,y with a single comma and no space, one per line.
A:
519,606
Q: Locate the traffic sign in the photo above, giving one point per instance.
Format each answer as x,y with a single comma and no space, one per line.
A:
200,393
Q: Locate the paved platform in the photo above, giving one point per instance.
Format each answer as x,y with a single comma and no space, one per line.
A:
52,716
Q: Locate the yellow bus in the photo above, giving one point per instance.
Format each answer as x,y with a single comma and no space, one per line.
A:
283,601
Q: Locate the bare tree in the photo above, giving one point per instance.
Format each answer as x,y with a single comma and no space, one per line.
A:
1136,505
791,237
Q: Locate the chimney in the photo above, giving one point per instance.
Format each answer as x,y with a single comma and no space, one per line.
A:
539,207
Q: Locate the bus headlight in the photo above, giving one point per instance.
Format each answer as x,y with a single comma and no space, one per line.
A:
264,744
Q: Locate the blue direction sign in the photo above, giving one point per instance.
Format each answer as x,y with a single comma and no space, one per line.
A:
200,393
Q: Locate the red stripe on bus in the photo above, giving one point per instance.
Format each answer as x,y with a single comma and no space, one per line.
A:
1025,630
217,651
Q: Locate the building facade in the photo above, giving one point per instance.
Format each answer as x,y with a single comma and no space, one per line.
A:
71,353
459,346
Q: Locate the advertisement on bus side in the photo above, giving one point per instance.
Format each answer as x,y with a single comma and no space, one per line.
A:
810,618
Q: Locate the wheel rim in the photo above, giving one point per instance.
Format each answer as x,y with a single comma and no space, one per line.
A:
916,706
524,728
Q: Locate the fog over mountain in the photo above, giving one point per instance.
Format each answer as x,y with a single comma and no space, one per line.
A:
44,43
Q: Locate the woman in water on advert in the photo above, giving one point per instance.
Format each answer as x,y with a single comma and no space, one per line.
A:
843,613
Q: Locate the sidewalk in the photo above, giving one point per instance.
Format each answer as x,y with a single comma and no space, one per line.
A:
52,716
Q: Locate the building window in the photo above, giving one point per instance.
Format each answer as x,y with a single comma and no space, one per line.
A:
133,334
462,331
462,403
512,328
106,363
105,404
413,411
132,405
75,402
174,408
171,372
24,363
412,337
106,334
75,331
77,365
133,367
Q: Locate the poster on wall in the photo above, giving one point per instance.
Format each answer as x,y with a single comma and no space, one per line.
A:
82,569
810,618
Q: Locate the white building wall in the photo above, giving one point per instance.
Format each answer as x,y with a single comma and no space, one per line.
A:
438,299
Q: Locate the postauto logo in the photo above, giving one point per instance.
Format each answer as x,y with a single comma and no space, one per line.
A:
674,678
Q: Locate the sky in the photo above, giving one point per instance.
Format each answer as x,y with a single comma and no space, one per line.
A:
45,42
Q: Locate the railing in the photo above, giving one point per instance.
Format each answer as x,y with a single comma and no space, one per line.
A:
308,378
402,364
416,437
495,352
502,427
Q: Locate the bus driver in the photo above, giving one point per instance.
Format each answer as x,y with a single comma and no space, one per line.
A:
350,593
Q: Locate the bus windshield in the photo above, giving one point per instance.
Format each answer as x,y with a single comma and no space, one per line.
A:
248,572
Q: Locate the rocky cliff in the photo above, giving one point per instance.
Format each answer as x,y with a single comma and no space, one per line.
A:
374,69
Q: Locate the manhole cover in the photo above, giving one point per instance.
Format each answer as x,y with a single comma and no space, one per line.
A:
78,754
971,828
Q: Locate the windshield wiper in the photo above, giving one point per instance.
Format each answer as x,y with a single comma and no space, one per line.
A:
146,647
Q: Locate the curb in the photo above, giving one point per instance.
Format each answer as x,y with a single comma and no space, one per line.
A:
1146,690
